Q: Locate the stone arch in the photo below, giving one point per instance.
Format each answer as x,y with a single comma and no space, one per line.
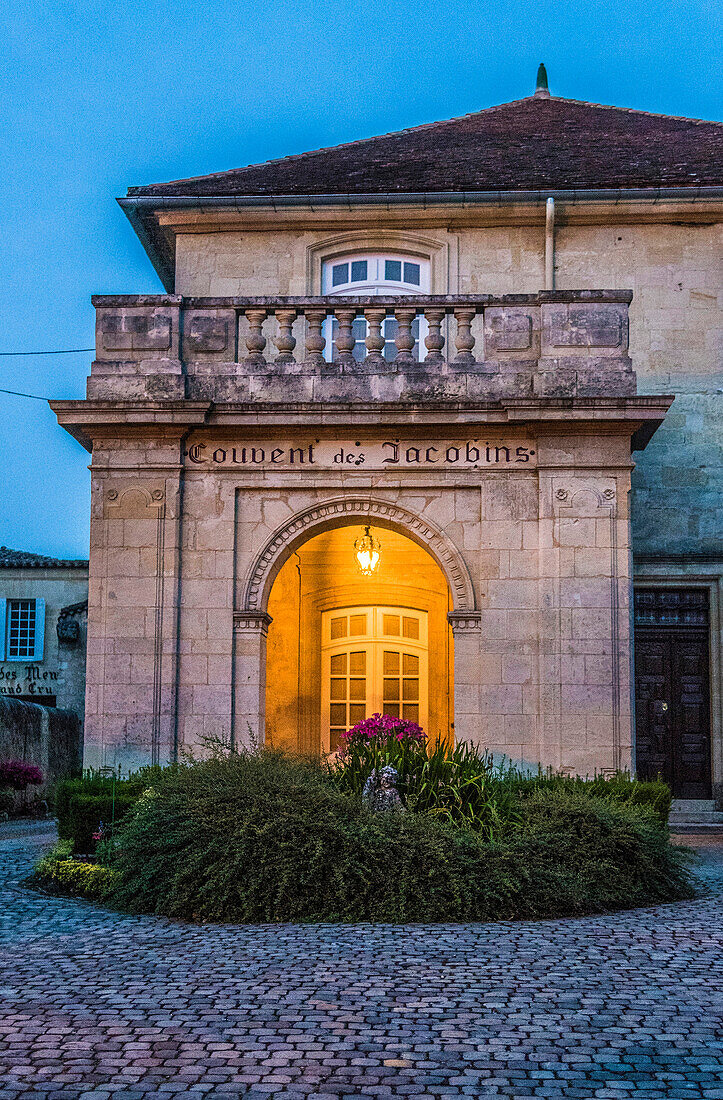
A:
345,511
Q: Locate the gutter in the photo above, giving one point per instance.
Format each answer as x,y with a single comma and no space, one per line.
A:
136,207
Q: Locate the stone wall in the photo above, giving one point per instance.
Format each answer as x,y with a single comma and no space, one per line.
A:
676,328
49,738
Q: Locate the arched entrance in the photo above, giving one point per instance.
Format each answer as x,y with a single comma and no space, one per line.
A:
342,645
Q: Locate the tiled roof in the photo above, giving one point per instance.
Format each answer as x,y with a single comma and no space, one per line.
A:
23,559
533,144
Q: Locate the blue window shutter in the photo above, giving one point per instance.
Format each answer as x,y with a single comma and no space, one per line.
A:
39,629
3,621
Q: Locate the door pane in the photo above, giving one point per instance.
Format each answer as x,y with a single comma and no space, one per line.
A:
357,663
391,663
338,689
338,664
391,625
411,665
391,689
411,690
410,627
338,627
357,625
338,714
357,689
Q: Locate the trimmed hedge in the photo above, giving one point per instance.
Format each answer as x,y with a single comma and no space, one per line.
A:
75,877
620,787
81,804
89,880
269,838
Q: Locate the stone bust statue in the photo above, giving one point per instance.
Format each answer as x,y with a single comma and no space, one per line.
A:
380,791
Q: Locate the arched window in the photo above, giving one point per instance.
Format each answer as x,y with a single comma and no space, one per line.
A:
374,274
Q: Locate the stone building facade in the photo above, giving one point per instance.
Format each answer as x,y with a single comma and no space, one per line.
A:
466,336
43,624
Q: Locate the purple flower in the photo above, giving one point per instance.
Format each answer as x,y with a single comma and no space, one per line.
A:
19,775
382,727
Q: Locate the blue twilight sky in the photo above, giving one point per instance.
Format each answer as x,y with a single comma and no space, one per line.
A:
99,96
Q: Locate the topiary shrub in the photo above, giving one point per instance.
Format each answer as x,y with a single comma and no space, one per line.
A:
88,880
271,838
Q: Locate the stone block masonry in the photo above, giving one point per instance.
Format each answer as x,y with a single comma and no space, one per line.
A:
505,458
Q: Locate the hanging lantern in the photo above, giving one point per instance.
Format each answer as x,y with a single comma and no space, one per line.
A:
368,552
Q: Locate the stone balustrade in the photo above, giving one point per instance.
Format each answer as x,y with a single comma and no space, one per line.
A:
548,344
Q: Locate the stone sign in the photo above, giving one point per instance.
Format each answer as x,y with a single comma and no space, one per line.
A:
382,454
27,680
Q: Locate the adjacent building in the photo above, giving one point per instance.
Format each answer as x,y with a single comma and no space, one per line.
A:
43,623
413,418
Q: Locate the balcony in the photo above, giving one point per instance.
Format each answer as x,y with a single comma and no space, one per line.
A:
279,349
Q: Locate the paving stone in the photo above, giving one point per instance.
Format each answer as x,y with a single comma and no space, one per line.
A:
102,1006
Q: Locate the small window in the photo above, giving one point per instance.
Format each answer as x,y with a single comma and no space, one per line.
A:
374,275
22,629
393,271
412,274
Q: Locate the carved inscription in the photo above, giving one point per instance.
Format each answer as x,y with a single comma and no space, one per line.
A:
354,453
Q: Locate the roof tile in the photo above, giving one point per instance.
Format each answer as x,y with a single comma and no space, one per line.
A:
24,559
532,144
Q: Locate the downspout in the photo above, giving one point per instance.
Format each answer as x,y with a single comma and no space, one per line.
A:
550,244
179,585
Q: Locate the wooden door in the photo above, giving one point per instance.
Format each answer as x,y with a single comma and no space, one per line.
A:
672,708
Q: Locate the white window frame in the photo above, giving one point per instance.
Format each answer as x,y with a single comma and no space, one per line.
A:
6,606
373,642
375,285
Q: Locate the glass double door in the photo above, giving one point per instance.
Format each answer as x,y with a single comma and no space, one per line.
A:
373,660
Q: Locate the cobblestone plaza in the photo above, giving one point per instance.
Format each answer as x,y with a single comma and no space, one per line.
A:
108,1007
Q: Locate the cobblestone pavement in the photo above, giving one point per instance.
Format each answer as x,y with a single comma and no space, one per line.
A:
108,1007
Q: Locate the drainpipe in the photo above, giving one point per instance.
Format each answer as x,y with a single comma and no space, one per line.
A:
550,244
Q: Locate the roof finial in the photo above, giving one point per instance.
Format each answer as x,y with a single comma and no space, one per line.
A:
542,88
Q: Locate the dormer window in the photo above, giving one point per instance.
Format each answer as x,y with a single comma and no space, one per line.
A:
374,274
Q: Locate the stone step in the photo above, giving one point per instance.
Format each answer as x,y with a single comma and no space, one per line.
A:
713,833
694,805
695,812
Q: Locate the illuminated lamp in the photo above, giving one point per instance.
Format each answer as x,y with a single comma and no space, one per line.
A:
368,552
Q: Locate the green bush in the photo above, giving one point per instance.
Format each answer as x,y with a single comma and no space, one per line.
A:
89,880
620,787
81,804
59,870
270,838
456,783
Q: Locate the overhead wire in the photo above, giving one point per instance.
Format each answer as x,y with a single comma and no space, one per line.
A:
60,351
